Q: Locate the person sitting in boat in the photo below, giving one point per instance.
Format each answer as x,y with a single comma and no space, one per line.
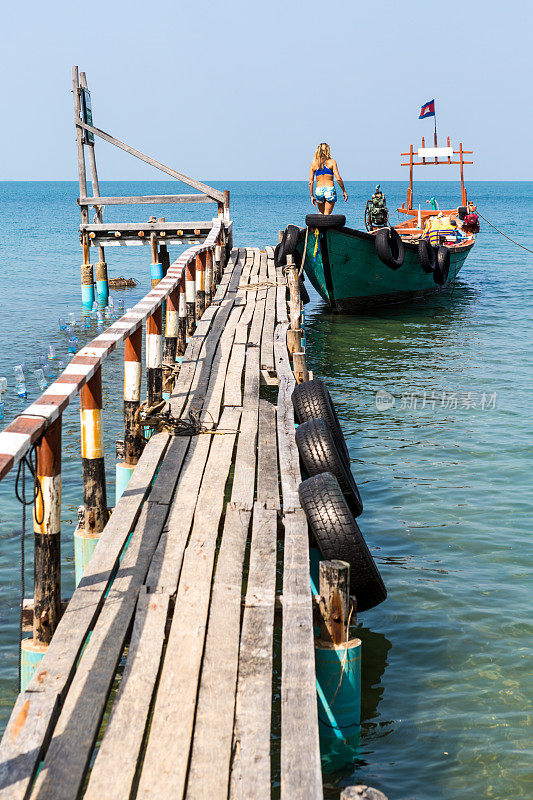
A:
324,169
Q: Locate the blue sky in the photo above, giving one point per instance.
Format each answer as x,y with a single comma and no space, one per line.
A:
246,90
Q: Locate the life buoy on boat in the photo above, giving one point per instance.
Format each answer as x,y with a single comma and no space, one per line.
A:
427,256
442,267
389,247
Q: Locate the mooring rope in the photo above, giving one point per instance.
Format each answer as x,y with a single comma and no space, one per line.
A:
504,234
154,417
30,461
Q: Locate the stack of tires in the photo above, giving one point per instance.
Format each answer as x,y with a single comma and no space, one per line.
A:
329,495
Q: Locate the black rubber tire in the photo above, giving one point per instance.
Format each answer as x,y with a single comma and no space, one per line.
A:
288,243
304,294
312,400
337,536
427,256
462,211
442,267
318,453
325,221
389,247
277,261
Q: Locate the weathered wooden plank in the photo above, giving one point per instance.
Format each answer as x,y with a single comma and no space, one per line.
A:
20,754
204,226
233,387
300,776
167,752
267,473
267,341
281,297
63,770
145,199
213,732
202,187
250,775
116,762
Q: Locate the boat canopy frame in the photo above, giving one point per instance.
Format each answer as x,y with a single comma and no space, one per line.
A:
430,156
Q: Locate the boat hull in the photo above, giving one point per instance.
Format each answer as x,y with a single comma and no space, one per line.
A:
344,268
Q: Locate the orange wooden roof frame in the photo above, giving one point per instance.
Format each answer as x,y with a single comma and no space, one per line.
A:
411,164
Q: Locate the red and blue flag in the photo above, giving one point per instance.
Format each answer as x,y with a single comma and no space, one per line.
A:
427,110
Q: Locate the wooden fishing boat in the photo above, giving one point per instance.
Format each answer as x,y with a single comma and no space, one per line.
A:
357,269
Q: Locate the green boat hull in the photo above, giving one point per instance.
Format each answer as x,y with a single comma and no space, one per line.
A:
344,268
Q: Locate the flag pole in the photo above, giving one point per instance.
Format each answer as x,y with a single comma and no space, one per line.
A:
435,120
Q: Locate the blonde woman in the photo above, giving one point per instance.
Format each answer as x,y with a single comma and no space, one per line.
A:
324,169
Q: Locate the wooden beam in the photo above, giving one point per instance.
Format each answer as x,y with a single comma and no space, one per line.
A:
144,200
110,227
216,194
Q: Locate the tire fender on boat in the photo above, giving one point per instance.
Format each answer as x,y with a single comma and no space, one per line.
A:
427,256
337,536
325,221
389,247
442,267
288,243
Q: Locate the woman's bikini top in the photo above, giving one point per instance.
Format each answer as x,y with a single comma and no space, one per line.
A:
323,171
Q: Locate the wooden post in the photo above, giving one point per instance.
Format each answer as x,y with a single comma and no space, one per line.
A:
164,258
410,188
208,277
133,442
87,279
181,343
463,190
218,261
171,339
47,536
156,268
295,303
334,601
362,793
200,285
190,296
102,286
299,366
92,455
154,358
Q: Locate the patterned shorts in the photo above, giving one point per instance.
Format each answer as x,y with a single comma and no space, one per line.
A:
326,194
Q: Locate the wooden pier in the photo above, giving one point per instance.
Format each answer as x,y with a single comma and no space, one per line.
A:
158,681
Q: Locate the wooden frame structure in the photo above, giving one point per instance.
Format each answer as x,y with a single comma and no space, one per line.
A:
430,156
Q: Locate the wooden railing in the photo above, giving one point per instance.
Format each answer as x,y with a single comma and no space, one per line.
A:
187,289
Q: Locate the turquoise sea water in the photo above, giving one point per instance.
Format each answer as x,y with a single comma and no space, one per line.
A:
444,472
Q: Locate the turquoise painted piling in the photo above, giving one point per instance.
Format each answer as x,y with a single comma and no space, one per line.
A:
102,285
31,655
338,678
84,547
156,273
87,288
123,474
338,682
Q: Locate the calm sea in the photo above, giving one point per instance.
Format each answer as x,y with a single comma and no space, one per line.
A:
444,471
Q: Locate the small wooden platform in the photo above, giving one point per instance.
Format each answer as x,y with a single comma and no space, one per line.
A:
159,680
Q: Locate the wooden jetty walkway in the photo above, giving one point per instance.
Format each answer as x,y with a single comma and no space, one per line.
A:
158,681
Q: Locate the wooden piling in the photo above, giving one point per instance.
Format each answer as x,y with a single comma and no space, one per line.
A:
133,441
171,340
87,280
92,455
208,278
218,262
334,601
190,296
47,536
182,319
156,267
200,285
154,358
164,258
